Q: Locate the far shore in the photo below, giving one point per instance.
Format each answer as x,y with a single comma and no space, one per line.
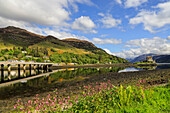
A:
93,65
90,65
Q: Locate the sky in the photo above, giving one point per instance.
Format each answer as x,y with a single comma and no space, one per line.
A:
125,28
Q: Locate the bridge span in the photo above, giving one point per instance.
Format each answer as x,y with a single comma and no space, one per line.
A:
22,66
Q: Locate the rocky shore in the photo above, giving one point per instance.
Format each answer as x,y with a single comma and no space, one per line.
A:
150,78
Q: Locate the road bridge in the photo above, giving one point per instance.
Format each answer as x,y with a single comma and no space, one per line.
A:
24,66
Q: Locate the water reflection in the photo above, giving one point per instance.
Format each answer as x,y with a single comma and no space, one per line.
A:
7,76
48,82
140,68
129,69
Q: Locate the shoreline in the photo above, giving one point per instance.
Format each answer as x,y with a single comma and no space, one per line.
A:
93,65
160,76
89,65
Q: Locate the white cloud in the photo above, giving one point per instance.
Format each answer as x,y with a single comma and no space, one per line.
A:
105,35
52,15
39,11
100,14
108,51
153,20
84,23
72,2
155,45
134,3
54,32
8,22
106,41
168,38
119,1
42,12
109,22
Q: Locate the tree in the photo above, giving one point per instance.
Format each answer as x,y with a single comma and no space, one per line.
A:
5,58
16,53
13,48
53,50
101,58
39,60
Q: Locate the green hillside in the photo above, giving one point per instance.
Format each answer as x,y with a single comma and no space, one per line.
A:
19,44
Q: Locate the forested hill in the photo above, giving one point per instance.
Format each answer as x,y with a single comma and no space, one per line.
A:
17,43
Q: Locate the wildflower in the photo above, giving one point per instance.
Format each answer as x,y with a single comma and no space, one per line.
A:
48,96
53,104
142,96
14,107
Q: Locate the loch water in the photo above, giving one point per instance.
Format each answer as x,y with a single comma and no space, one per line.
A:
52,77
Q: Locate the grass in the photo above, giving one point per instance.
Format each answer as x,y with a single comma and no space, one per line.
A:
102,97
69,49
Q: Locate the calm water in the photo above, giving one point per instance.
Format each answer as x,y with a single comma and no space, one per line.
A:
49,81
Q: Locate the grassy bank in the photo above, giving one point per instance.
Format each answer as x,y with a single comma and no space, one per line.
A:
102,97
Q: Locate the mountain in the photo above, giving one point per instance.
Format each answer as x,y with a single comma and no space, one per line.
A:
141,57
158,58
162,58
39,46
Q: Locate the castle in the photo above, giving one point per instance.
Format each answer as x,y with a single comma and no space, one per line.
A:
149,59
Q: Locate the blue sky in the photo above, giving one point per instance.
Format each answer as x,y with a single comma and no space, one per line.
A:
125,28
